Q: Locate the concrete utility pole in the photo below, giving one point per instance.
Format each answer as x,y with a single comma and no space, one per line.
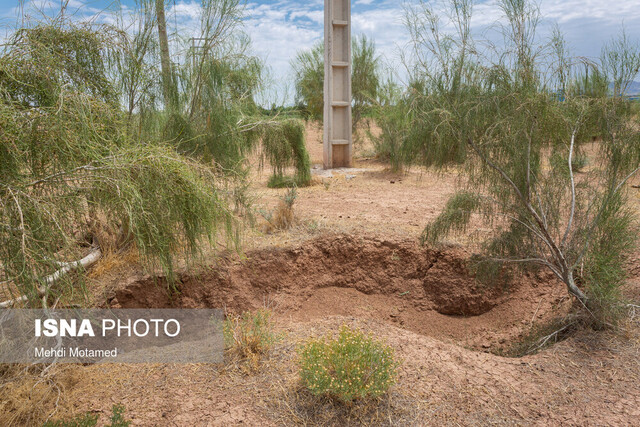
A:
337,84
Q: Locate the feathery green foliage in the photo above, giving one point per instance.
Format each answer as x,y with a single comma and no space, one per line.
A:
70,167
365,77
522,145
283,145
391,116
454,218
308,66
212,86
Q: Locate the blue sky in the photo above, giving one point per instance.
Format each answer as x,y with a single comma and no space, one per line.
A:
279,28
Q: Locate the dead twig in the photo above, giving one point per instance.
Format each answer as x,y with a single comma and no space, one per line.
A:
544,340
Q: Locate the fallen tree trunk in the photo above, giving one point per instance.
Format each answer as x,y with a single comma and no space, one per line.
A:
85,262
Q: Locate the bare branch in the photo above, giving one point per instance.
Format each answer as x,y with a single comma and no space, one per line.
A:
573,191
22,229
48,281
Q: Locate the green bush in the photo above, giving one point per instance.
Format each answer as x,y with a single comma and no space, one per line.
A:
308,68
393,117
283,181
71,166
352,366
283,145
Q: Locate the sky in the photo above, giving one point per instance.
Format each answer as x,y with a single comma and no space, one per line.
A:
280,28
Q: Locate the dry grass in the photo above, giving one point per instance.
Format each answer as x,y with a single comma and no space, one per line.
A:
112,261
288,402
293,404
30,395
277,395
248,338
283,217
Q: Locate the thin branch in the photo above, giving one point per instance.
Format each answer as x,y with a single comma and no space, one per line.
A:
540,261
627,178
555,250
22,229
88,167
573,191
544,340
529,167
48,281
544,216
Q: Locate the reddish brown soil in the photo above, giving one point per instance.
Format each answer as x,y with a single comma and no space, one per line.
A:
586,380
427,291
353,258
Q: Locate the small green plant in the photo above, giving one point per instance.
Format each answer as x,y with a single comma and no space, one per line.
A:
90,420
352,366
117,417
249,336
84,420
283,181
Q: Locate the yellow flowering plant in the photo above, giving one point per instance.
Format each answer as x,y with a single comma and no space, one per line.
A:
354,365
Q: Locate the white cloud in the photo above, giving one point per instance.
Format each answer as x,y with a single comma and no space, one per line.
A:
184,10
280,28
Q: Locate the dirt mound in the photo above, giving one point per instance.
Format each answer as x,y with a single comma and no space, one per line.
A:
424,290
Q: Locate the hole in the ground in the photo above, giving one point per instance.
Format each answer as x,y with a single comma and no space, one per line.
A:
427,291
424,290
345,267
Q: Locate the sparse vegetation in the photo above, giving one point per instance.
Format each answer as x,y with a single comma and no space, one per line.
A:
83,420
542,336
132,149
351,366
504,123
90,420
283,216
249,337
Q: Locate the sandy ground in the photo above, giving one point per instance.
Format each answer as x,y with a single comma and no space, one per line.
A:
353,258
366,199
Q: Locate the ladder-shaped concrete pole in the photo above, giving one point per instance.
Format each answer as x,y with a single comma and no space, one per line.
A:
338,140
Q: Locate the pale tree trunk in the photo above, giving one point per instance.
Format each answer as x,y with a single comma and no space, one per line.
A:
168,87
